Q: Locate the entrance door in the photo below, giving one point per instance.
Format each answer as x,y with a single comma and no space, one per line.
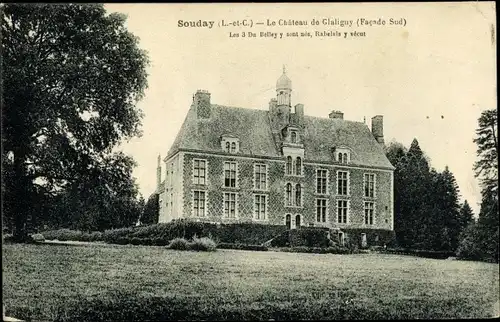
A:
363,240
297,221
288,221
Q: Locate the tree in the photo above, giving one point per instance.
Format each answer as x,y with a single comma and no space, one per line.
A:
486,167
444,229
466,216
416,198
481,240
396,153
151,212
72,77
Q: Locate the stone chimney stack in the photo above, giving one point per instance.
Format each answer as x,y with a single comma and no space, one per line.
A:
299,114
378,128
158,172
272,105
336,115
202,102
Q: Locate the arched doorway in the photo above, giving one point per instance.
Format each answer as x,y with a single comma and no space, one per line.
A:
297,221
288,221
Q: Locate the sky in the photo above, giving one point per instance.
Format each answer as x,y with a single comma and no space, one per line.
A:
430,78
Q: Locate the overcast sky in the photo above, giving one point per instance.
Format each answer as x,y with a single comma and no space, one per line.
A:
430,79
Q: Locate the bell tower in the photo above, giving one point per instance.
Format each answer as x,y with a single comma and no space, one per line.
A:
284,89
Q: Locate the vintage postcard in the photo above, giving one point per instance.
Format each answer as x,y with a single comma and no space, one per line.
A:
250,161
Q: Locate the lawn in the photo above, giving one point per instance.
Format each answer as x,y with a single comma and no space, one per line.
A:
106,282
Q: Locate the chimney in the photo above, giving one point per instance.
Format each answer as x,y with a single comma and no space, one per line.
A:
336,115
299,114
202,102
272,105
158,173
378,128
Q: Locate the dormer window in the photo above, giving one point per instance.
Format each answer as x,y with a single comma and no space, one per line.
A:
343,156
230,144
294,137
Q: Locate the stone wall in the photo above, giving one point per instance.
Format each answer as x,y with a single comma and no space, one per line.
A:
276,192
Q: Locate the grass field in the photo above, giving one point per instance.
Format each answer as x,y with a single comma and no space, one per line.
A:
58,282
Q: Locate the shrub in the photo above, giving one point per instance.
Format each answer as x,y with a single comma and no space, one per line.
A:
38,237
310,237
282,240
203,244
178,244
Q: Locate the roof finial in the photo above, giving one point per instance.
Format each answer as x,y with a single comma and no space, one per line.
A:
284,70
364,119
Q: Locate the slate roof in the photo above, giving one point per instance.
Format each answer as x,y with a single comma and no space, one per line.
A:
253,129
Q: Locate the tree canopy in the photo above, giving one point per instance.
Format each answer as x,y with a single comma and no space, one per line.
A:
72,76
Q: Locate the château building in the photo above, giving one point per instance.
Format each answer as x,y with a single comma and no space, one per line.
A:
277,166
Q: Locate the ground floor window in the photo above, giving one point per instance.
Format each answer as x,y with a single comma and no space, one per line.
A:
321,210
288,221
230,204
369,211
342,209
199,203
260,207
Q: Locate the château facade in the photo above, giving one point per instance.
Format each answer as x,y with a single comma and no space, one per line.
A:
277,166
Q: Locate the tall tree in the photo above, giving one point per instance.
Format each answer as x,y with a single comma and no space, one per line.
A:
396,153
417,196
481,240
466,216
151,212
72,77
444,227
486,167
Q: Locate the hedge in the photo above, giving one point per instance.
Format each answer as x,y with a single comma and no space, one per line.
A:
321,250
242,247
65,234
309,237
419,252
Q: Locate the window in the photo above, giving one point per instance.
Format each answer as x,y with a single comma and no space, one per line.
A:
199,203
369,185
320,210
298,195
260,207
260,176
342,182
298,166
288,221
289,194
369,211
294,137
198,171
230,205
321,181
342,207
230,174
289,165
230,144
343,157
